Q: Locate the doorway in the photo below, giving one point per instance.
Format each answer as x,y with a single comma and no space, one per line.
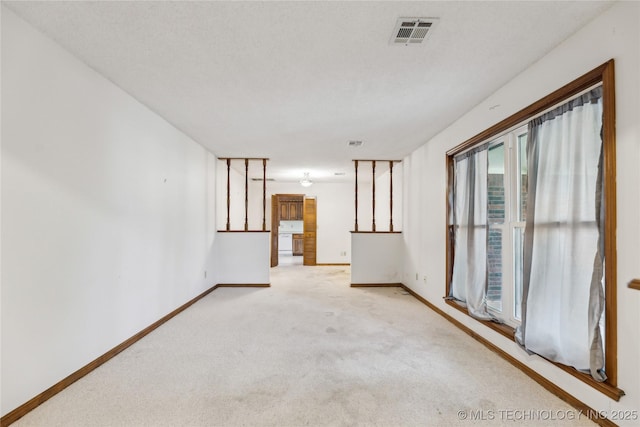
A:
293,230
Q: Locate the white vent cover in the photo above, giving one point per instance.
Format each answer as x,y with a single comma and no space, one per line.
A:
412,30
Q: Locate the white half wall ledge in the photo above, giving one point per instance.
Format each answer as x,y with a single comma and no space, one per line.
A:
376,258
243,258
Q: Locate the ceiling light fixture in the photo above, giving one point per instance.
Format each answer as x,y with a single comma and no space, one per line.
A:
306,182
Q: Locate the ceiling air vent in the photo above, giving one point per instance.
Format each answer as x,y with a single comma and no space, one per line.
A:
412,30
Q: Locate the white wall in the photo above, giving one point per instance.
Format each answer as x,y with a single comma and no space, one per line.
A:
107,214
377,258
615,35
243,258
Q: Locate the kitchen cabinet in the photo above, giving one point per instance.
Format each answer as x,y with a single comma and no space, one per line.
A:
290,211
295,211
298,244
284,211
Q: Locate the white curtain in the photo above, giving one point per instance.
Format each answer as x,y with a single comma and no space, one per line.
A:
469,279
563,296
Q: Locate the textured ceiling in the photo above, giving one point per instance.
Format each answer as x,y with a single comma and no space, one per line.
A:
295,81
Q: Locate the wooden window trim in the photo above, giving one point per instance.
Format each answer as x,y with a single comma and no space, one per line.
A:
604,74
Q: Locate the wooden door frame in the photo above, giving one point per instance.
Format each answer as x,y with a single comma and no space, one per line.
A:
310,258
275,222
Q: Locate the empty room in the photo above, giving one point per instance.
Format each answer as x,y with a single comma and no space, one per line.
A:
321,213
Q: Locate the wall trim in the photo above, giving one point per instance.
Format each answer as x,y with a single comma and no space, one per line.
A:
244,231
243,285
377,285
508,332
36,401
589,412
504,330
376,232
330,264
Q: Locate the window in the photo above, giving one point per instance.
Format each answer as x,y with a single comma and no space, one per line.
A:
498,157
506,188
501,187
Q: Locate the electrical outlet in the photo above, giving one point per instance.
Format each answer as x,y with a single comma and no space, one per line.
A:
417,276
205,274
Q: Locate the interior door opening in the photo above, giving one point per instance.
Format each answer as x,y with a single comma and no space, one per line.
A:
293,230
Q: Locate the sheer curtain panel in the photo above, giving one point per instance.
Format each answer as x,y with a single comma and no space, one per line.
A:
469,279
563,296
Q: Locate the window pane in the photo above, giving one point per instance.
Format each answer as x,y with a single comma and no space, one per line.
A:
494,261
518,257
495,185
495,215
522,173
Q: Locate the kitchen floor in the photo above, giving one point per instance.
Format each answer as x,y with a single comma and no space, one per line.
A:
286,258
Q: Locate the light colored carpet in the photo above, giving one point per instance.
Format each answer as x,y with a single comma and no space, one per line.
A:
309,351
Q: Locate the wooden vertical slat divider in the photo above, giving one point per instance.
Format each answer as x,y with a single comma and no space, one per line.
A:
373,195
356,166
264,194
228,194
246,194
390,195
